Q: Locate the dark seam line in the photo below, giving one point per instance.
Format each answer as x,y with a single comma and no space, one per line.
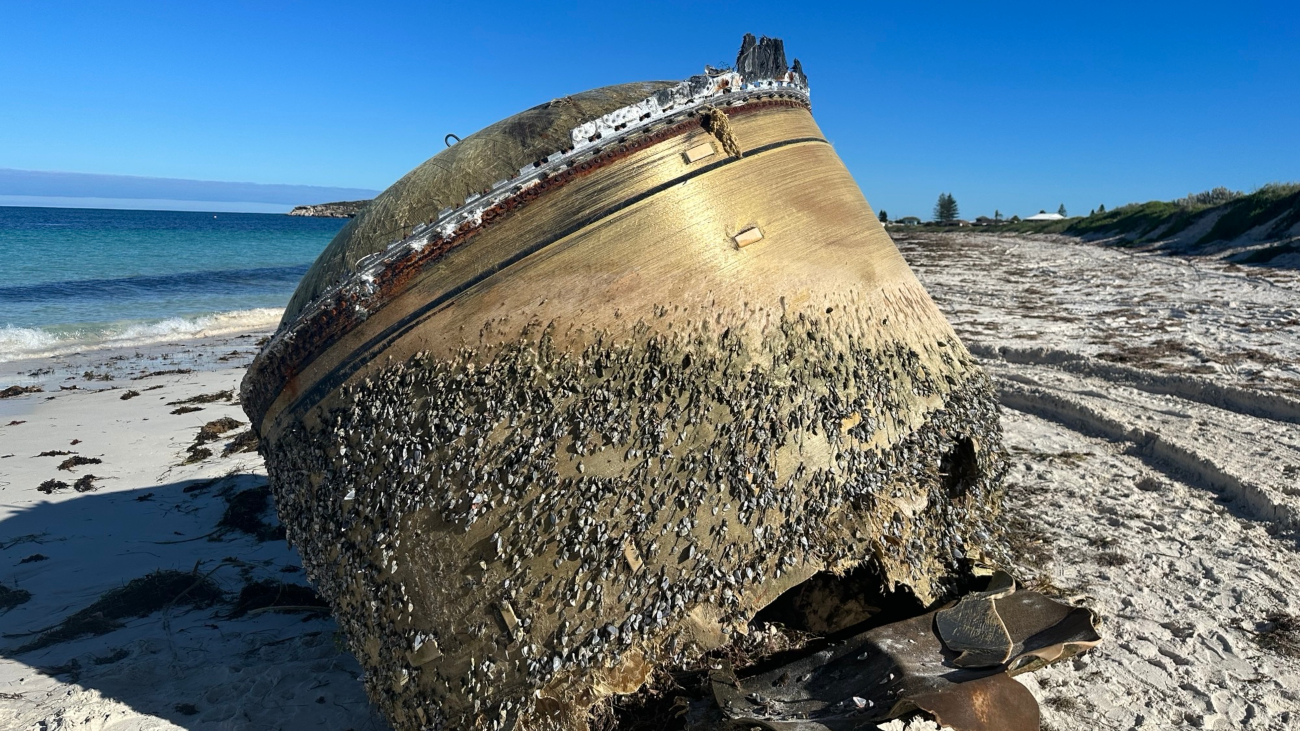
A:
360,356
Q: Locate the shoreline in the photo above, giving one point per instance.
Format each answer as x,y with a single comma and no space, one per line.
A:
124,367
20,344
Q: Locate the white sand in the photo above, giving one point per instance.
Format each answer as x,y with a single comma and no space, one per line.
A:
267,671
1163,491
1163,498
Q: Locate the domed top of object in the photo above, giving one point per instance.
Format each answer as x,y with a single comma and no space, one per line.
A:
494,153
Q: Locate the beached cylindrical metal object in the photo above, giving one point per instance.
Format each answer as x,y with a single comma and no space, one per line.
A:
584,392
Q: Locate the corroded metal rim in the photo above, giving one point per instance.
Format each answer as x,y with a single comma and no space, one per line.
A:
390,273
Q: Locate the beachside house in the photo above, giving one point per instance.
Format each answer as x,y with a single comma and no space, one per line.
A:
1046,217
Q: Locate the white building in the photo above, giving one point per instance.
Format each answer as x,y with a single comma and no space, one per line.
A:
1046,217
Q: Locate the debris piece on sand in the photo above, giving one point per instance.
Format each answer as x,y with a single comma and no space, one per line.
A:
908,666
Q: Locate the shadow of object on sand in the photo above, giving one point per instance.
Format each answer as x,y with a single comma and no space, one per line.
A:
191,661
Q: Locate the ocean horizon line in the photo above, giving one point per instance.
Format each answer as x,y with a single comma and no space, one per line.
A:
160,205
53,186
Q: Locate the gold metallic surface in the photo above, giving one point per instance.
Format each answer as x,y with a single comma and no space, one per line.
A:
799,194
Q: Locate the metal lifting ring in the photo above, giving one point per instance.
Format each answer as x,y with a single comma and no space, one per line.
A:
448,139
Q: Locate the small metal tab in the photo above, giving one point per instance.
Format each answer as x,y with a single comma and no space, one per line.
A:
699,152
749,236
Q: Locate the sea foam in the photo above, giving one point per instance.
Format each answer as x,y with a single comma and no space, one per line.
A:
22,343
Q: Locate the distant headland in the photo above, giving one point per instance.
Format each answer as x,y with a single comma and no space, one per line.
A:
339,209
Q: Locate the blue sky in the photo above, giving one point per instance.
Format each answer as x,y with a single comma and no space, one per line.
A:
1016,107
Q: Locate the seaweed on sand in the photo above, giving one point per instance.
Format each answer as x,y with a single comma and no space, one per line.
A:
77,461
49,487
269,594
244,441
212,431
169,372
205,398
10,598
244,511
209,432
140,597
1281,634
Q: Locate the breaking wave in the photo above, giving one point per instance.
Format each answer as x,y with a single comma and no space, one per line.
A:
21,343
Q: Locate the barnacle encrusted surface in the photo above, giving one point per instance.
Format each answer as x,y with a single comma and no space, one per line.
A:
586,422
513,532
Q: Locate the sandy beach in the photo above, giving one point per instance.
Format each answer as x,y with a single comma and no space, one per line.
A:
1152,408
205,663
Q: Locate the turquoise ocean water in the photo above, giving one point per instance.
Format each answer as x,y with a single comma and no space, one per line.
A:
74,278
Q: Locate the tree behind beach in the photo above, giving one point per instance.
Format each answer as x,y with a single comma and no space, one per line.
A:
945,209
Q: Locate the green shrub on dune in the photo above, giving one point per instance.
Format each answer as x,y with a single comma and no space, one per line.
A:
1276,205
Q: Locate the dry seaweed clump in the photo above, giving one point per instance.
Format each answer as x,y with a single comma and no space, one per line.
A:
544,521
205,398
138,598
1280,634
14,391
244,441
245,511
267,594
51,486
212,431
209,432
76,461
10,598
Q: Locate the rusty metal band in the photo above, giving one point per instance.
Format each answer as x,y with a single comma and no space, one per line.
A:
317,329
377,344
